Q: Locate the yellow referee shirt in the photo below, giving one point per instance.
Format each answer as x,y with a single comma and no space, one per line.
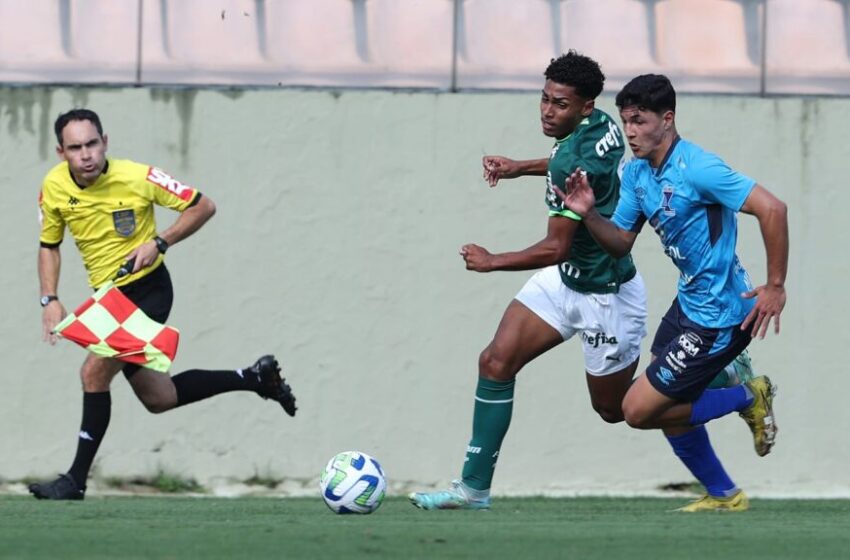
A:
111,217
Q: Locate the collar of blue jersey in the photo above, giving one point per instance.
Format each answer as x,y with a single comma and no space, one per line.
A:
102,173
667,155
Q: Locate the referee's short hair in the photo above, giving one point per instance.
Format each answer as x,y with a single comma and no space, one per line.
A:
76,115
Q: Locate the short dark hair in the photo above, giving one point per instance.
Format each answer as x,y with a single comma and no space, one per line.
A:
579,71
652,92
76,115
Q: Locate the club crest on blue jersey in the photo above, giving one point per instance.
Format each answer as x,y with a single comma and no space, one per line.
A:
640,193
667,197
124,221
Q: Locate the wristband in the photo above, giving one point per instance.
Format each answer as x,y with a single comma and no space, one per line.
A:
161,244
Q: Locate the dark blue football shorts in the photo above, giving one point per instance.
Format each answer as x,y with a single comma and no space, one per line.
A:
689,356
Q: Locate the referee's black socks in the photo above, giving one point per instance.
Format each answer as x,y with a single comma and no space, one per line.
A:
197,384
97,408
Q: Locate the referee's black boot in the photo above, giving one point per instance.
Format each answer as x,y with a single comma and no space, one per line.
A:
272,385
63,488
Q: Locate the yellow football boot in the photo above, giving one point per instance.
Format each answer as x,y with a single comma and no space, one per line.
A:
759,415
737,502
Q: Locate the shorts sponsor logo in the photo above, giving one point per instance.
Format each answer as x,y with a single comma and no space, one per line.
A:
570,271
690,343
124,221
674,362
598,338
665,376
676,359
162,179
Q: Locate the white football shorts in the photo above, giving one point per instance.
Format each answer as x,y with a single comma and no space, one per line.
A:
611,326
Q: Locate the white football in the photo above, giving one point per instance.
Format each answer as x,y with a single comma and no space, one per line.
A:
353,482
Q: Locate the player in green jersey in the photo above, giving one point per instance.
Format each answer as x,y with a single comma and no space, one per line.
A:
580,290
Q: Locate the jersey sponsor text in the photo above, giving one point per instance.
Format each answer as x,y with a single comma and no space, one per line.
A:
609,140
162,179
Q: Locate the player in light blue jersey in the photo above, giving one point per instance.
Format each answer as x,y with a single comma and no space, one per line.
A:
691,198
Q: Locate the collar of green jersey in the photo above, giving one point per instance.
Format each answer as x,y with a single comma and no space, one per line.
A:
584,121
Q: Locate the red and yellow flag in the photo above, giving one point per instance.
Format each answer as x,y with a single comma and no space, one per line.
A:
109,324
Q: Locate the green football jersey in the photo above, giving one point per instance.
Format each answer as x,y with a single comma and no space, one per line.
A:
598,147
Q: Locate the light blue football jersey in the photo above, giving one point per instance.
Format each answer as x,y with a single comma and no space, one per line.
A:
691,201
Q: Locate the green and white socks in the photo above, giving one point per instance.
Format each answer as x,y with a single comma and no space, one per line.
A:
494,403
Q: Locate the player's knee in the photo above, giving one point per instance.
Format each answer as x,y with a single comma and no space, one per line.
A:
94,381
610,414
155,408
636,417
156,405
493,366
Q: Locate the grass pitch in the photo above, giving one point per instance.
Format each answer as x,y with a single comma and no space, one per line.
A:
516,528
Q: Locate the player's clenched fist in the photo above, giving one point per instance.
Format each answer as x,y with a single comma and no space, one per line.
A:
477,258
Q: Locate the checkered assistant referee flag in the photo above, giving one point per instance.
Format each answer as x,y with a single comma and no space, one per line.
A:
109,324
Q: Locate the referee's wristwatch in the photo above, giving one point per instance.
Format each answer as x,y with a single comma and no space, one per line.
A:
45,300
161,244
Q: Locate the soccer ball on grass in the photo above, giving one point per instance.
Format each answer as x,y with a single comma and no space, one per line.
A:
353,482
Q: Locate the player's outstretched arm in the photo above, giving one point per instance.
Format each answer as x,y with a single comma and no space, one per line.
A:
580,199
49,264
553,249
500,167
772,215
189,221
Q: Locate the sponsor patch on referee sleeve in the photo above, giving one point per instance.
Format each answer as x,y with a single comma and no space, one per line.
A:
165,181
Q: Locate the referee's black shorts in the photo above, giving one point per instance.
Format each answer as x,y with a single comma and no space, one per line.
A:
153,294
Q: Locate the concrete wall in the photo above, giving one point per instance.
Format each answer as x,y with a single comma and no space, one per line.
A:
335,247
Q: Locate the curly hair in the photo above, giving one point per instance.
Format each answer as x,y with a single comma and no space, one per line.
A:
579,71
653,92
